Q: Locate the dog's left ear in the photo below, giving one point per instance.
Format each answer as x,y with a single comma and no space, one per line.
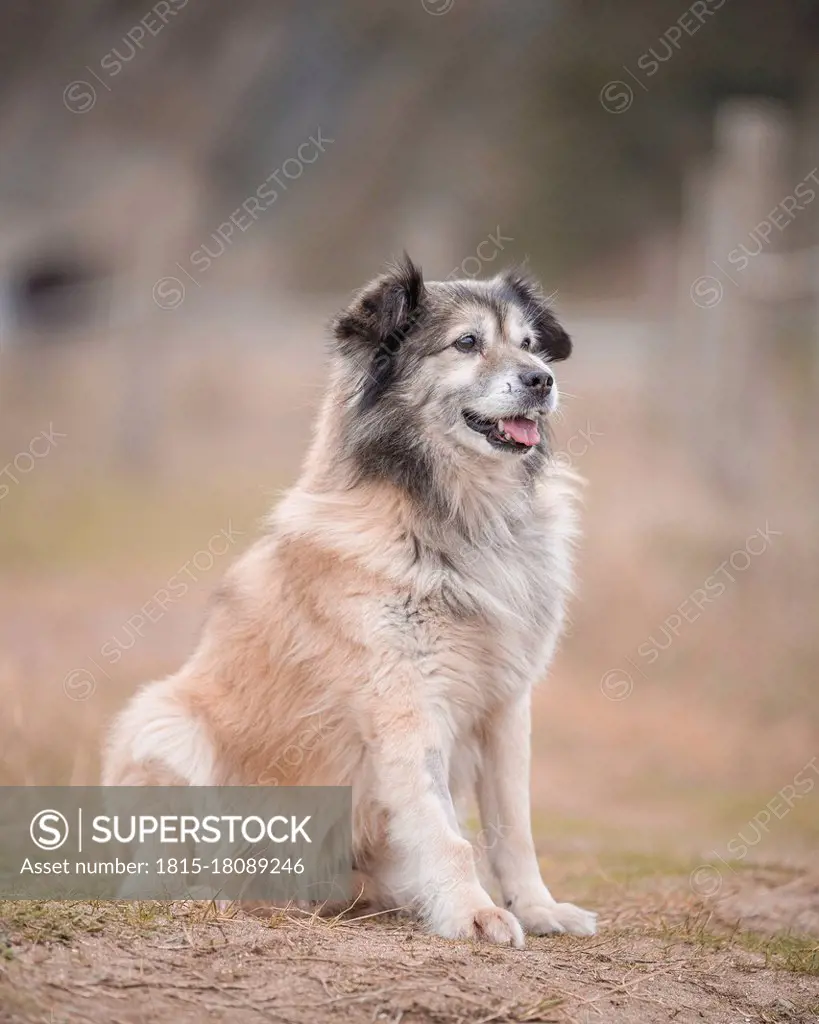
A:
383,313
553,341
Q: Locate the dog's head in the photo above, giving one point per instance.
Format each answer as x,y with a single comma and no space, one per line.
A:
447,369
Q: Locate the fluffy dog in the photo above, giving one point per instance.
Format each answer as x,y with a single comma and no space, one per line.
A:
387,631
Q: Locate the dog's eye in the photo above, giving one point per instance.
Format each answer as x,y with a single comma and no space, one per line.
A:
526,344
468,343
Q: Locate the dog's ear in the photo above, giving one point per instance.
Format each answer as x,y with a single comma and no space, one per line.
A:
383,313
552,340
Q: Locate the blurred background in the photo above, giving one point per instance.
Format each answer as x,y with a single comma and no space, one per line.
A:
189,191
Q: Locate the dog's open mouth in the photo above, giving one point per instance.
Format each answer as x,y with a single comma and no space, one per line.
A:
514,433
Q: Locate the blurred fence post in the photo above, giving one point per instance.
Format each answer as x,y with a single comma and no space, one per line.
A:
164,194
722,319
141,372
809,153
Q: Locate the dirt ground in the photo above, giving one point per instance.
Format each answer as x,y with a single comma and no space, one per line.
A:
661,955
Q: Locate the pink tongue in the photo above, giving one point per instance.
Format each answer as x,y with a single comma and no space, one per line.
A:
522,430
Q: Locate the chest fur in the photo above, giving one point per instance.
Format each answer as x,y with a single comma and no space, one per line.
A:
483,620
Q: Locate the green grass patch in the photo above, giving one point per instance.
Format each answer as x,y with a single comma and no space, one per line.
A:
784,951
796,953
40,922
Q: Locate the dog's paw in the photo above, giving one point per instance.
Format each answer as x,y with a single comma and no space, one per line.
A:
491,924
497,925
551,918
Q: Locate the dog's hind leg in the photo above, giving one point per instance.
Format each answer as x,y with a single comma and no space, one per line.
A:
158,741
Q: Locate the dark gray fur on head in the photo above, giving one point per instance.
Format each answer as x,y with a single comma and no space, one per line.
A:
391,326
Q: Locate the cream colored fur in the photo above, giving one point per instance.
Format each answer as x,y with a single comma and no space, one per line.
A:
338,653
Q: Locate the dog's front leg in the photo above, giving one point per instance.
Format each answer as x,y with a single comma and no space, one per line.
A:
503,795
433,865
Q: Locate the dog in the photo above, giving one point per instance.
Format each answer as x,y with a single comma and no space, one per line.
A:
408,594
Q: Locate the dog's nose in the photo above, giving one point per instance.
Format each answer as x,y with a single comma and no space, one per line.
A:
540,379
